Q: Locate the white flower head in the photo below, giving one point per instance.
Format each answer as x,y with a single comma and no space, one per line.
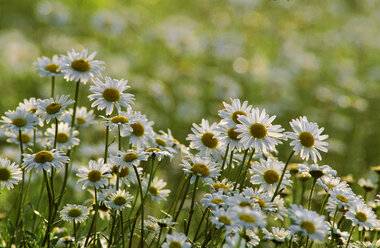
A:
95,175
308,223
229,136
110,94
27,137
230,113
177,240
78,66
45,160
50,108
157,153
119,200
141,132
10,174
129,158
278,235
258,132
21,119
203,168
48,67
83,118
249,218
362,216
156,189
307,139
66,138
72,212
204,139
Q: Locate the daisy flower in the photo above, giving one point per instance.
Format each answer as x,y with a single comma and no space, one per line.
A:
241,200
230,113
262,199
50,108
48,67
258,132
127,174
204,139
66,138
104,194
225,186
249,218
163,223
123,120
156,152
65,241
156,189
78,66
229,136
307,139
110,94
142,131
362,216
29,104
151,226
277,236
129,158
27,137
341,198
95,175
214,200
20,119
308,223
330,183
10,174
45,160
367,185
72,212
203,168
176,240
83,117
119,200
267,173
222,218
164,142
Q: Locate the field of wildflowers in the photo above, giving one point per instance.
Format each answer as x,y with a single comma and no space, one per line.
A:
167,136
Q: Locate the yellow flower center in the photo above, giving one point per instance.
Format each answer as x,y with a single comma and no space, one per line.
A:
103,207
130,156
150,227
62,137
94,176
200,169
258,130
111,95
175,244
32,110
80,120
138,129
119,200
43,156
236,114
342,198
19,122
225,220
316,173
330,185
124,172
153,190
232,134
218,186
259,201
247,218
160,142
74,212
217,201
24,138
362,217
153,149
5,174
119,119
209,140
306,139
53,108
244,204
308,226
52,68
271,176
81,65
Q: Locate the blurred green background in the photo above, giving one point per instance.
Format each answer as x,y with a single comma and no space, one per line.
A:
183,58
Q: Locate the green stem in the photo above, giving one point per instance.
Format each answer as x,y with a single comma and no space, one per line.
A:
246,170
142,209
122,227
324,204
240,169
111,233
230,163
50,199
192,205
183,200
178,193
52,86
282,177
224,161
106,146
311,193
159,237
93,221
200,224
75,105
75,232
349,237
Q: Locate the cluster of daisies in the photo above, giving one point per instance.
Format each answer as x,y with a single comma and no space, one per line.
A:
231,190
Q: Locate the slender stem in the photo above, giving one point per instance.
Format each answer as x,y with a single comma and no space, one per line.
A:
106,147
224,161
122,227
349,237
324,204
46,237
178,193
141,207
192,205
311,193
240,169
302,192
246,170
282,176
19,212
119,136
111,233
75,232
230,163
93,221
200,223
294,190
52,86
75,105
56,133
183,200
159,237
